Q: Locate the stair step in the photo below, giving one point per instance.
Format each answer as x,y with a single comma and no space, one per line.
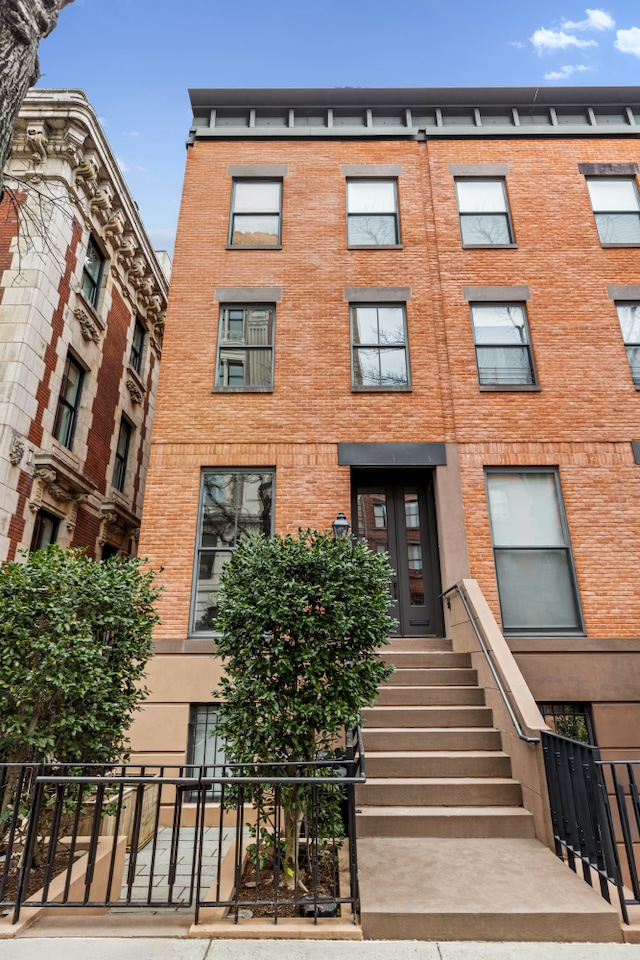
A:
438,763
433,676
444,822
424,659
418,643
429,716
474,889
439,791
429,696
430,738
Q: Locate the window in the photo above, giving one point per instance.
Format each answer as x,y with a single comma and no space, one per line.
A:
245,347
255,213
572,720
629,317
205,748
534,567
68,402
484,213
372,213
379,346
137,346
615,207
232,505
92,272
503,350
122,455
45,531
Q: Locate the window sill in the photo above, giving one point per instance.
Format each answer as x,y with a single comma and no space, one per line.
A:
92,309
407,389
242,390
236,246
136,377
510,388
609,246
375,246
489,246
543,634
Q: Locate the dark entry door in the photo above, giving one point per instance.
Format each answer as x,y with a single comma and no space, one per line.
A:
395,512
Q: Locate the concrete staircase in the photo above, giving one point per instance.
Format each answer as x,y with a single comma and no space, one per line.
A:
446,850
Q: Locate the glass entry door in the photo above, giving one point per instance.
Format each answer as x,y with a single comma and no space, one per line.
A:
395,512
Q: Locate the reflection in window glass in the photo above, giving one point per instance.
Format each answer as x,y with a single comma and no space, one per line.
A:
68,403
534,568
205,748
233,505
255,213
629,317
484,215
92,272
379,346
503,350
372,213
616,210
245,347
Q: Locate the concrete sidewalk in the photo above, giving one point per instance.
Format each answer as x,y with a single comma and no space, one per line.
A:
174,949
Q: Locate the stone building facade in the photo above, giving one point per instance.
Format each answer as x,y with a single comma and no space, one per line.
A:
420,307
82,306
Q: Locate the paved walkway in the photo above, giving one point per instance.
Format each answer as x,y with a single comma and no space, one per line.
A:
173,949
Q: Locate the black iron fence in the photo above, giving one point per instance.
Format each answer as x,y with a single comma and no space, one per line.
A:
595,813
279,842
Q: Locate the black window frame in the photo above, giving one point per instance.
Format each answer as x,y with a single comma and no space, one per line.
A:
232,214
608,213
91,285
121,460
38,531
207,715
565,548
201,554
630,345
356,216
569,714
380,346
506,214
137,346
225,345
496,384
66,436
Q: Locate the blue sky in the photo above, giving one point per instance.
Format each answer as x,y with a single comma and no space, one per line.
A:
136,59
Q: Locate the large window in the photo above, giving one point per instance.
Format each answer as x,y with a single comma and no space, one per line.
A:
137,346
92,272
255,213
68,402
629,317
503,348
372,213
484,213
245,347
45,531
233,504
379,346
122,455
534,567
205,748
616,209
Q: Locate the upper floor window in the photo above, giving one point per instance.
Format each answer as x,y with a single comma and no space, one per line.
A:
233,504
245,347
532,552
256,213
92,272
484,213
616,210
380,355
503,348
372,213
68,402
122,455
629,317
137,346
45,531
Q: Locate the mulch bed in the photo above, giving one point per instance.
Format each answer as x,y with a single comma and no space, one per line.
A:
262,887
36,876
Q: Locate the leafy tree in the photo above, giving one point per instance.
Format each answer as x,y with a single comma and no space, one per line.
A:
75,636
301,621
23,23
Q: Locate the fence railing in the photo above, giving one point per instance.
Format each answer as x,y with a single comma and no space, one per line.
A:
279,842
588,827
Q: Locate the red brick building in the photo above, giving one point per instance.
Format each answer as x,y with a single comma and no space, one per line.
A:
82,303
421,307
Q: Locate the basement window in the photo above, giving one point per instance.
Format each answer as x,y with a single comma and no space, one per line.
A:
572,720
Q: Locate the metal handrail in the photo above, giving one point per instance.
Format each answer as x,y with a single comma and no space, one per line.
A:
514,719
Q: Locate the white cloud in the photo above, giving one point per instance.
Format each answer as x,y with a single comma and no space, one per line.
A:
565,72
628,41
596,20
517,44
124,167
130,133
545,41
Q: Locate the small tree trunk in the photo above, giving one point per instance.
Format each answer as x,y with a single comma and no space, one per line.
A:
294,815
23,23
